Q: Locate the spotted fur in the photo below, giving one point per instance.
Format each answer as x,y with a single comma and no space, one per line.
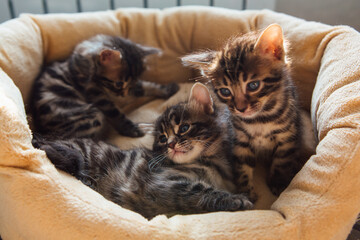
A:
251,75
75,98
187,171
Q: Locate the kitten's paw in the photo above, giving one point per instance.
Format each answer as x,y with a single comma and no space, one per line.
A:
242,202
136,132
170,89
133,131
129,129
235,202
38,141
35,143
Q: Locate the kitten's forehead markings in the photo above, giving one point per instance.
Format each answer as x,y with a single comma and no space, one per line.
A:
227,80
174,127
237,89
163,129
227,75
232,84
244,76
239,65
241,80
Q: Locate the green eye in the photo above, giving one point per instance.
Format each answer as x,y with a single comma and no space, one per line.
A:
162,139
225,92
184,128
253,86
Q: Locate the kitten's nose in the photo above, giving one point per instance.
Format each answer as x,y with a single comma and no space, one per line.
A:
242,109
172,144
241,104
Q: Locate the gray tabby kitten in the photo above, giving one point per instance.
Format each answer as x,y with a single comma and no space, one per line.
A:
75,98
251,75
187,171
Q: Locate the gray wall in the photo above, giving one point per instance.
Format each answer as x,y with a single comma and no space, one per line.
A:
332,12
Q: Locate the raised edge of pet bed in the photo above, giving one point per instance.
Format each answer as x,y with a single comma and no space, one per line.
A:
322,202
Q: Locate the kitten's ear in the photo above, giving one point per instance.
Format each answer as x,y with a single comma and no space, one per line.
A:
271,42
110,58
199,60
200,96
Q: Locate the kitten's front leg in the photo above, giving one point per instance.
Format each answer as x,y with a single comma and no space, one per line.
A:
151,89
115,117
284,167
244,162
187,196
122,124
215,200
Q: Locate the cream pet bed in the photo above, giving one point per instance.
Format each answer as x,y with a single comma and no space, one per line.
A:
322,202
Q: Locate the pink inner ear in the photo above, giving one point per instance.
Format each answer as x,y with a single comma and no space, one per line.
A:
271,42
278,53
110,57
201,95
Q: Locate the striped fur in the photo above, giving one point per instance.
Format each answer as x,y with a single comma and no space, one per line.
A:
187,171
75,98
251,75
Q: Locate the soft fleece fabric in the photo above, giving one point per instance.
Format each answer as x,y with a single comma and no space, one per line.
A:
323,200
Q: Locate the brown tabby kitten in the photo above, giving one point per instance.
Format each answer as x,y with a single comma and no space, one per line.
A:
252,76
187,171
75,98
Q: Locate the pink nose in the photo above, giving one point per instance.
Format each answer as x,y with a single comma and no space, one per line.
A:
241,109
172,145
241,103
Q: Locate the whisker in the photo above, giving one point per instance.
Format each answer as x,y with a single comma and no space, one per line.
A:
157,157
155,164
207,143
155,161
198,78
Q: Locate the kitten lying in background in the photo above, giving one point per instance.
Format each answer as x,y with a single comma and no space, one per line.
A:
189,169
75,98
251,76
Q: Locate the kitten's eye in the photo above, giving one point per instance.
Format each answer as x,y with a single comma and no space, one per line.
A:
225,92
162,139
184,128
253,86
119,84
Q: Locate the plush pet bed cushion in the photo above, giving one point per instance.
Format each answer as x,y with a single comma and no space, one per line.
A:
323,200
